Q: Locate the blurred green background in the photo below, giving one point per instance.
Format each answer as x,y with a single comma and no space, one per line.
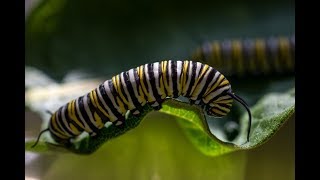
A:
104,38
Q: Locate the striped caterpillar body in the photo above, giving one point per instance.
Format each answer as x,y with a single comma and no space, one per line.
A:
249,56
131,90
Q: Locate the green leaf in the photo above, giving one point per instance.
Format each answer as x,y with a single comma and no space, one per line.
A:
156,149
269,114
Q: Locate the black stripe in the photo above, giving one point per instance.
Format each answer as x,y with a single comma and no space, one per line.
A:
205,87
93,110
153,82
200,79
224,105
220,110
113,92
223,93
187,74
193,77
76,113
64,127
123,93
174,75
130,89
138,83
181,77
57,138
69,120
108,101
145,82
167,77
60,126
161,77
85,115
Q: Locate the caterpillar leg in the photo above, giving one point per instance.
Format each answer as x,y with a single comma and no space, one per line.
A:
120,123
93,134
157,105
136,112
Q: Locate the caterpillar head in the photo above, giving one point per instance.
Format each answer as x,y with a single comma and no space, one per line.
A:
56,138
221,105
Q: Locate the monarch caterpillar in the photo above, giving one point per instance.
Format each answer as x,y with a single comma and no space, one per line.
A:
131,90
249,56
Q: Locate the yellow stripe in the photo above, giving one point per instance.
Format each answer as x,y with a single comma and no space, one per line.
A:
225,101
166,83
184,78
74,129
98,120
72,114
261,55
195,88
141,73
237,56
220,107
60,136
143,99
120,103
55,125
92,100
120,92
216,60
285,52
218,112
98,105
214,85
162,91
140,97
224,82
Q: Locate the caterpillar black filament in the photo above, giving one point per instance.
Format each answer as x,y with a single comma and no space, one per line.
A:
131,90
249,56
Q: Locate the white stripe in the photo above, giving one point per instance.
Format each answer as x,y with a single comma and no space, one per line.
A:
89,113
201,85
87,128
134,85
64,118
179,78
157,76
196,77
213,81
170,79
60,125
110,95
148,82
214,94
189,78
